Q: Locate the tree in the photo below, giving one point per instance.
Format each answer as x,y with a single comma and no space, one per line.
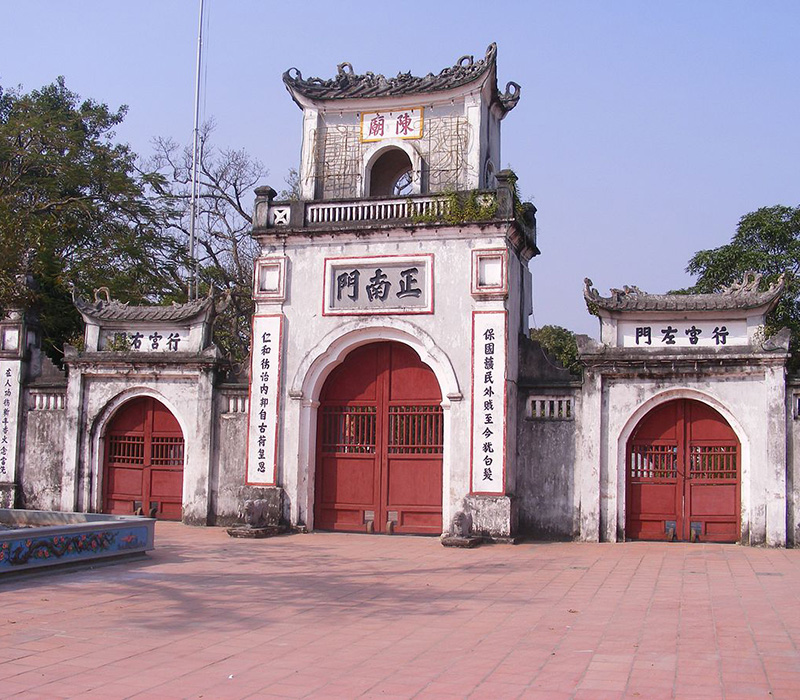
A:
560,344
224,249
766,241
75,210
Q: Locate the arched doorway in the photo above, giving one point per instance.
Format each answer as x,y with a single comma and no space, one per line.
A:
391,174
143,467
683,475
379,444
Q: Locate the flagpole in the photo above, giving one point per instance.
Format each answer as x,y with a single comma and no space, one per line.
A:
193,273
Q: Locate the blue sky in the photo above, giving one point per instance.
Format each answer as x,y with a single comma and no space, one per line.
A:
645,130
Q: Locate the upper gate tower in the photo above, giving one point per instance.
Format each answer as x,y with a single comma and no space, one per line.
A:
367,135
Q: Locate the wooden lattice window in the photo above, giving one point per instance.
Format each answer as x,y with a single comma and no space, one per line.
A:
415,429
654,461
167,451
348,429
128,449
714,462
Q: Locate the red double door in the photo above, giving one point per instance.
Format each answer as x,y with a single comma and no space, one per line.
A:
683,475
379,444
144,461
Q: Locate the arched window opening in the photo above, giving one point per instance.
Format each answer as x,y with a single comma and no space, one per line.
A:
392,175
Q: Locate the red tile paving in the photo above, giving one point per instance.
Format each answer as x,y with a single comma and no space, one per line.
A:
346,616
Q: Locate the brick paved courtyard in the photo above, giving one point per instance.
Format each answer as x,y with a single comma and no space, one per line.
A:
345,616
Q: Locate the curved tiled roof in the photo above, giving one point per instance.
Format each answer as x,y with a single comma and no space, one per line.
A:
348,85
740,295
110,310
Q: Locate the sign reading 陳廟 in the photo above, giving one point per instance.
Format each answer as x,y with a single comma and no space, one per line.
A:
383,284
265,373
9,376
403,124
488,401
668,334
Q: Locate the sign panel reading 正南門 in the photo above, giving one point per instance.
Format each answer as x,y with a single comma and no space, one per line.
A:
402,124
379,285
488,401
265,373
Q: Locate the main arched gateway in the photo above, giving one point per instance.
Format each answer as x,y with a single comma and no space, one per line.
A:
380,444
683,475
143,465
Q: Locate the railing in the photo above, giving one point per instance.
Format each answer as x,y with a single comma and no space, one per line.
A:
550,407
234,403
270,214
48,400
376,210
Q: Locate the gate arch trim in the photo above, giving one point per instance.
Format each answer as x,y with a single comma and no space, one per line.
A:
331,350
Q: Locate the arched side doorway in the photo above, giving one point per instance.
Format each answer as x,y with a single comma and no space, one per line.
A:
143,465
380,444
683,475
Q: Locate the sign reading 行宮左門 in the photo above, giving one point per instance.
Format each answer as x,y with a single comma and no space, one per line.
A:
265,373
379,285
488,401
687,334
402,124
10,376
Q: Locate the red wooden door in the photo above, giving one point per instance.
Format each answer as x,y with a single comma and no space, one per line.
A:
379,444
144,461
683,475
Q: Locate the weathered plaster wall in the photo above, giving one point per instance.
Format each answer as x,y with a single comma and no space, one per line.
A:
546,478
41,458
546,489
228,488
793,460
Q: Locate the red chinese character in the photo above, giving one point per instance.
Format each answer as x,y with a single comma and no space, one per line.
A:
376,126
404,123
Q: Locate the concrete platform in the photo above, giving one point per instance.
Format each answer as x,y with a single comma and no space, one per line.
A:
346,616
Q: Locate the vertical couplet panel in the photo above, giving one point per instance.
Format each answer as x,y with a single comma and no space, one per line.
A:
489,355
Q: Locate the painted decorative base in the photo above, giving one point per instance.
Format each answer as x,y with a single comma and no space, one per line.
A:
42,538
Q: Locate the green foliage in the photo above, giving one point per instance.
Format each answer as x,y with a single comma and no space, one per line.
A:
560,344
462,208
74,209
119,342
766,241
224,248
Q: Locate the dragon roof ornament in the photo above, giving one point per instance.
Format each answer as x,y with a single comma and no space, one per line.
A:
349,85
738,296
